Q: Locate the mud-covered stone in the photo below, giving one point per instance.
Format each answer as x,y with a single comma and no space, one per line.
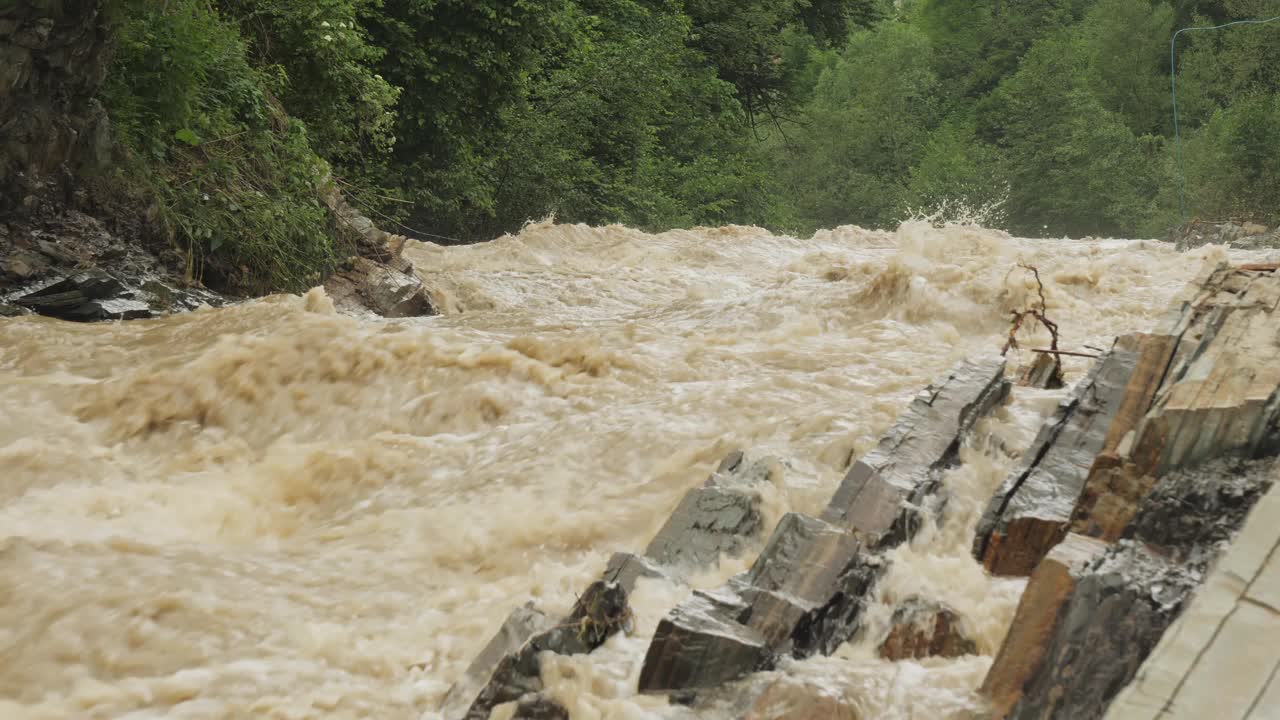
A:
790,700
881,495
921,628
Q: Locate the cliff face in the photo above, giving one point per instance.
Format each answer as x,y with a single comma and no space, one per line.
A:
53,57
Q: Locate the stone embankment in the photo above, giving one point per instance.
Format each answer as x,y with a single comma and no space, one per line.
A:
1119,516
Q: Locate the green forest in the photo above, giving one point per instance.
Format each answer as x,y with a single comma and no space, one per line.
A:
467,118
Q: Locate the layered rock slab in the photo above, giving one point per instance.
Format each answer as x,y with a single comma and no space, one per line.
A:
1212,662
1030,511
881,496
1220,397
718,518
1083,628
806,592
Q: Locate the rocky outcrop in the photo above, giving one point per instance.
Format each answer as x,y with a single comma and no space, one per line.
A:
377,278
52,63
716,519
1198,670
719,517
1029,512
806,592
1219,395
881,496
1021,656
1242,235
1171,484
923,628
596,616
55,136
1121,602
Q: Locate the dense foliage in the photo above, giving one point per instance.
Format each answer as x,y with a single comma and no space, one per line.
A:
467,118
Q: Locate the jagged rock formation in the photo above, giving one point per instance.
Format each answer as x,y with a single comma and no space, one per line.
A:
1120,508
378,278
1027,515
1122,600
806,592
52,62
880,497
1241,235
1197,670
924,628
1170,485
719,517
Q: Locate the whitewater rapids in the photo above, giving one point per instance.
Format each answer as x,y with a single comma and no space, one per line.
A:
272,510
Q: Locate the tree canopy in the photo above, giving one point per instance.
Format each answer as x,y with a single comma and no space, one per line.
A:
468,118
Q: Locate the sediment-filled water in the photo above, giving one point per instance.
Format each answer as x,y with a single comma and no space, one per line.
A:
272,510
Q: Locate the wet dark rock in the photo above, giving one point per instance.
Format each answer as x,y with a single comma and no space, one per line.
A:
522,624
597,615
694,647
921,628
1123,601
1044,372
720,518
95,294
87,296
708,522
806,592
539,707
882,494
1028,513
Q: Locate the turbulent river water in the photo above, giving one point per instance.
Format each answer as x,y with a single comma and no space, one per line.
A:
272,510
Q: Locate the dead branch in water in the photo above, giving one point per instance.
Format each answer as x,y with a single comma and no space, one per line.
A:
1020,316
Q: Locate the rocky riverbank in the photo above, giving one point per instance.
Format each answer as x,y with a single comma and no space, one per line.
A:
73,248
1123,505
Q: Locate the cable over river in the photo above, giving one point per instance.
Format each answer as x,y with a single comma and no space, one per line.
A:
273,510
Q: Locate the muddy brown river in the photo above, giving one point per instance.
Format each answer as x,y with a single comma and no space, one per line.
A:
272,510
